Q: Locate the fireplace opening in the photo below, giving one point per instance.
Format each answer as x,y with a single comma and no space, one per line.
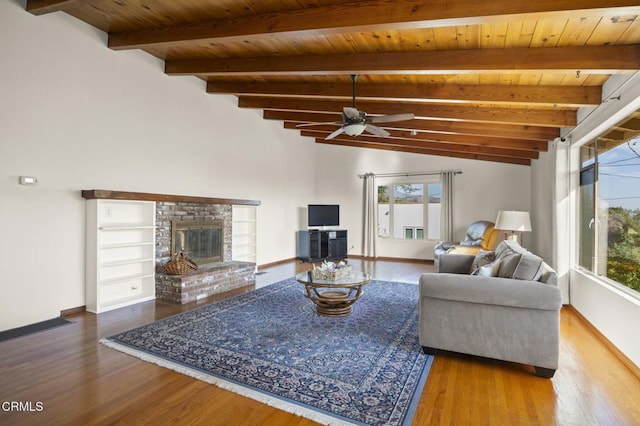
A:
202,240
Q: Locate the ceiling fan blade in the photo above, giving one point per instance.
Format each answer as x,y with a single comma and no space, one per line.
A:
376,131
390,117
319,124
334,134
351,113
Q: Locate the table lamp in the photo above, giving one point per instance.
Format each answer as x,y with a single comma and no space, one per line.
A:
514,221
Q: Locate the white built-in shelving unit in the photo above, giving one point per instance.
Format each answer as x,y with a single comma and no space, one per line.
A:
244,233
120,253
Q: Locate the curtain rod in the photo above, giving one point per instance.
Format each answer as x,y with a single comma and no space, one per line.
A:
407,174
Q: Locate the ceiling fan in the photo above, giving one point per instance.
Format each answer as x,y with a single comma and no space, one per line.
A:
354,121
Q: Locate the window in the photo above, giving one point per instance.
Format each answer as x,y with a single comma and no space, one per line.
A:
407,210
610,205
413,233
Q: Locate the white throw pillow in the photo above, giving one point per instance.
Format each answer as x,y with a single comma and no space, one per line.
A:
489,270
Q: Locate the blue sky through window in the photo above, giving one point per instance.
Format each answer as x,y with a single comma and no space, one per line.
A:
619,175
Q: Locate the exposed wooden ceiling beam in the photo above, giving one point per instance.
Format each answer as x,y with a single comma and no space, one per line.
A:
574,96
419,143
512,131
586,59
535,117
520,41
632,125
41,7
444,139
427,151
373,15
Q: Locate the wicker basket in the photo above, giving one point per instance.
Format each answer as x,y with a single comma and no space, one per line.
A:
179,265
331,274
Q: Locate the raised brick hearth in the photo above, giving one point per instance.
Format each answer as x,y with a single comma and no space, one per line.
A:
207,280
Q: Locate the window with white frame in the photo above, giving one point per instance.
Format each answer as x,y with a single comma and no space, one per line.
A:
409,211
609,223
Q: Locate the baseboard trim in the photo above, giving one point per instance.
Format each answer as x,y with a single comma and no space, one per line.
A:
353,256
617,352
393,259
279,262
73,311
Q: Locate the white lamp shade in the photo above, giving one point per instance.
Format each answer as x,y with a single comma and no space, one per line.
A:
509,220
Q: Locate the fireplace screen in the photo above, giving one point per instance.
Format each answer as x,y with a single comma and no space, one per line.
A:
201,241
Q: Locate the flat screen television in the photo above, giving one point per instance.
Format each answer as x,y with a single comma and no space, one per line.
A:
324,214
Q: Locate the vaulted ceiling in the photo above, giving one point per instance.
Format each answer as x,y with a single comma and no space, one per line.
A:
491,80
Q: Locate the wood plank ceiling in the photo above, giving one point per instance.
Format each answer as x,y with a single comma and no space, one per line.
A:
488,80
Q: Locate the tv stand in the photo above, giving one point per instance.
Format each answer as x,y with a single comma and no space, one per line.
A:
316,245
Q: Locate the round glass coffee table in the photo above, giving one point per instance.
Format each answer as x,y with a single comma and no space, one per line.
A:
334,297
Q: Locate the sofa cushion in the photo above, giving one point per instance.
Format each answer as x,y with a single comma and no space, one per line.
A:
529,267
517,262
483,257
489,270
507,247
548,275
490,291
508,264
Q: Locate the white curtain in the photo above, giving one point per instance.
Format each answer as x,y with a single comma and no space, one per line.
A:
446,206
370,224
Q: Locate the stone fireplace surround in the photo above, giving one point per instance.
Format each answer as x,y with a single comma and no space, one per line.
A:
208,279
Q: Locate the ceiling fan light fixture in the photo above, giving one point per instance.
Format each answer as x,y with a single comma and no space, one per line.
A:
354,129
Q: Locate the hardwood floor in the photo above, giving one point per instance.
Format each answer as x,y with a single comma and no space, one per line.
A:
79,381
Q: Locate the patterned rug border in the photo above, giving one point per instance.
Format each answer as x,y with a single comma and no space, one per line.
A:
263,396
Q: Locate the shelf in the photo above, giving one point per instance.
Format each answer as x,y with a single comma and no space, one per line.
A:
124,245
125,262
111,281
121,227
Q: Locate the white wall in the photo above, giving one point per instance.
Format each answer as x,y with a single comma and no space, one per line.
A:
482,190
77,115
542,182
549,208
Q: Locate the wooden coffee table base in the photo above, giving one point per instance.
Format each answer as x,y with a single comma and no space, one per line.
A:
334,298
335,303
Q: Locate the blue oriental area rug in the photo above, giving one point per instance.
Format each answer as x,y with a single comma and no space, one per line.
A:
271,345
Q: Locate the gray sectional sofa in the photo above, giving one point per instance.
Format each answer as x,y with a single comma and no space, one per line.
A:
508,309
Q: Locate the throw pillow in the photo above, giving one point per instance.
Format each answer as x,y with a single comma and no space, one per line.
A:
529,267
483,257
489,270
508,265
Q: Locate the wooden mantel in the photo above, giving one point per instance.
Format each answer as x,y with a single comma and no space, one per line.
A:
92,194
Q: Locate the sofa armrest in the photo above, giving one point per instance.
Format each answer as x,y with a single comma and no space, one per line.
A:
491,291
455,263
